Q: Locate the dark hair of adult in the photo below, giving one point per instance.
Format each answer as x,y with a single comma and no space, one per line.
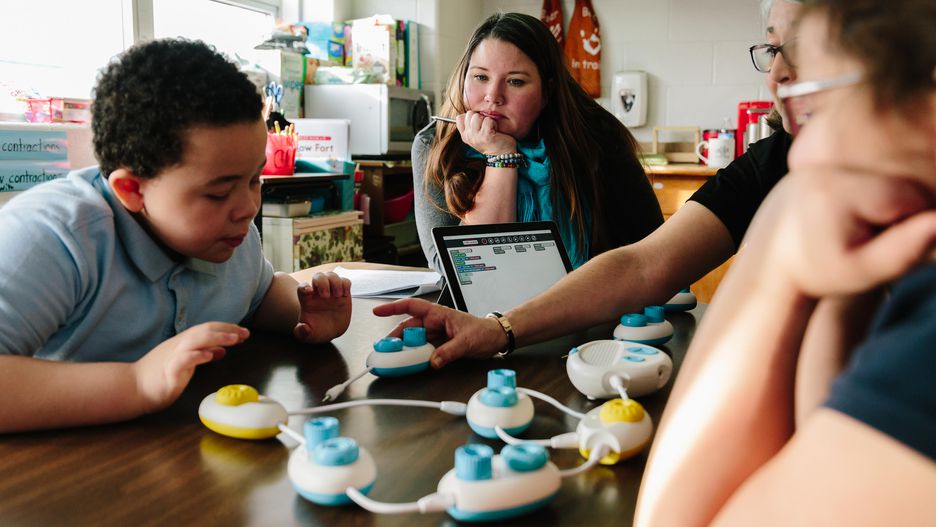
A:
895,40
572,125
151,95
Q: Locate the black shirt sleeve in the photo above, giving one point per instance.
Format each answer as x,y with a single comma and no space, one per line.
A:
735,192
890,381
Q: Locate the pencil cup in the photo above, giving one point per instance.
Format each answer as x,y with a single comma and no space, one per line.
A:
280,155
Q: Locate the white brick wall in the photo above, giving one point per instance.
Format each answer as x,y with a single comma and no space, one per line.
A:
695,51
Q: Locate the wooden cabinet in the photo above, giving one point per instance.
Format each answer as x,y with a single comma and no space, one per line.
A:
673,184
385,181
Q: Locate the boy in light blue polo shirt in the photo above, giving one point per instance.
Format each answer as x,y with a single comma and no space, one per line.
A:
118,281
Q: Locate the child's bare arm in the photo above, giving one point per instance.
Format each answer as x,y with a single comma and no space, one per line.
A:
51,394
317,311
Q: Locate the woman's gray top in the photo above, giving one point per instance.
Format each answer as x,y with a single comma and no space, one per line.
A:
631,208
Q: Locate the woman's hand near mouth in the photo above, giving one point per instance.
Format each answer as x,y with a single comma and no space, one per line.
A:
479,131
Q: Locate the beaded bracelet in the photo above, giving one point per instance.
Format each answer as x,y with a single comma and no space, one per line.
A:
511,160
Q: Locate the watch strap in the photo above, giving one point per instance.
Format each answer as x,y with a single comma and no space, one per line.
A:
508,329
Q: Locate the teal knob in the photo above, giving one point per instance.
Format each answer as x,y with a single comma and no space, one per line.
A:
336,452
473,462
503,397
502,378
633,320
525,457
388,345
414,337
654,314
319,430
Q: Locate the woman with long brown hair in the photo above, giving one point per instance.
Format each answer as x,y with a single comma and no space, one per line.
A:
528,144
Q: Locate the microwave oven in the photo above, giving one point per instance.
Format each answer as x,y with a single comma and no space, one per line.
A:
384,119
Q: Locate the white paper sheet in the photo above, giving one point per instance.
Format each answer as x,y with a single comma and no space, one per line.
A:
390,284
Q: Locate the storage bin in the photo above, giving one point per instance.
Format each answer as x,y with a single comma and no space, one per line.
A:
293,244
58,110
398,208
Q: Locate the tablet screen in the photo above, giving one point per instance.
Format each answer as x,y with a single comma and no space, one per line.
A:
497,267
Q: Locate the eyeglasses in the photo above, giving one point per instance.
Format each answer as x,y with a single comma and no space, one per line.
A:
762,55
798,99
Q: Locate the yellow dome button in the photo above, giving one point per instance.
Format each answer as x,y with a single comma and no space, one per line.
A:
237,394
621,411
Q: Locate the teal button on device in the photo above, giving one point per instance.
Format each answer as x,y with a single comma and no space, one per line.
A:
525,458
336,452
414,337
319,430
473,462
502,378
388,345
633,320
503,397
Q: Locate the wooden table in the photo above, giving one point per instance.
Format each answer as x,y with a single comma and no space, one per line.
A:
167,469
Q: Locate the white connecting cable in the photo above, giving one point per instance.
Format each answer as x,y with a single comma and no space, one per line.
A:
596,455
543,397
432,503
566,440
511,440
449,407
617,382
292,433
338,389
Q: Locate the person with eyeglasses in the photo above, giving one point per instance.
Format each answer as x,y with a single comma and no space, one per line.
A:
700,236
806,396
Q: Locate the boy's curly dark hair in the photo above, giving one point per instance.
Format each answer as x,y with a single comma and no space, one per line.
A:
147,99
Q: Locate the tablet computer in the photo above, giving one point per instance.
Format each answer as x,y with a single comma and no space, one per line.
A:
497,267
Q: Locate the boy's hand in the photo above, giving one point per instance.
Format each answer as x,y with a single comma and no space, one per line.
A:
325,308
164,372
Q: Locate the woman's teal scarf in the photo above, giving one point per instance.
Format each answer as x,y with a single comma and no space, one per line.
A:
534,201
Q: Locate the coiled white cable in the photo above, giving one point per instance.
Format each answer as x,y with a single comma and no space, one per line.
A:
432,503
543,397
449,407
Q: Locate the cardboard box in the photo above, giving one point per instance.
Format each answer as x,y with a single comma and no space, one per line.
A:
290,68
293,244
323,138
374,48
326,41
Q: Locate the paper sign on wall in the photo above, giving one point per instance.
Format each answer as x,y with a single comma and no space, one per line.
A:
23,175
35,145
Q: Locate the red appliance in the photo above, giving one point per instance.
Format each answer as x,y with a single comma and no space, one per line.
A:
750,114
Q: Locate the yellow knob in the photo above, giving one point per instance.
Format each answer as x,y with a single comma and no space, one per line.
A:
237,394
621,411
